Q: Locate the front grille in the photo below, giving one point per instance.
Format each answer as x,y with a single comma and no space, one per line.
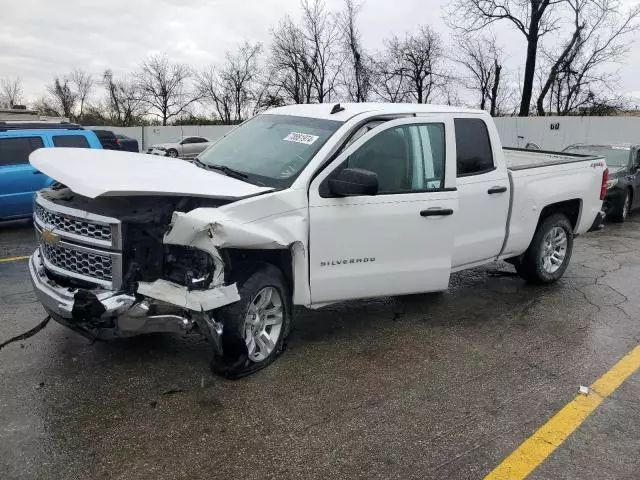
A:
81,263
72,225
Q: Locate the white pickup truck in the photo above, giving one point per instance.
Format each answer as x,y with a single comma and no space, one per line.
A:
301,205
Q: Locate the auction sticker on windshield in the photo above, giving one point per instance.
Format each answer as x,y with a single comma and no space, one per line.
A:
301,138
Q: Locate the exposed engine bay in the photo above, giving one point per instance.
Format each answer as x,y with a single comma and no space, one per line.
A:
145,221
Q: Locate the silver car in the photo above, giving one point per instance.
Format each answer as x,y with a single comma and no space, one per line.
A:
183,147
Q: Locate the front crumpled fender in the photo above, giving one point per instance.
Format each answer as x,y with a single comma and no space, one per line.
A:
210,229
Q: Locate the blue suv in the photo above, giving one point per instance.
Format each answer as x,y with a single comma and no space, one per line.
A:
18,179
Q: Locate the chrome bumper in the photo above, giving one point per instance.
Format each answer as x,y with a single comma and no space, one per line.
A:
59,300
122,315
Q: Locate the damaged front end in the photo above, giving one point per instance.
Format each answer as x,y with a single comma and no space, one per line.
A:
113,267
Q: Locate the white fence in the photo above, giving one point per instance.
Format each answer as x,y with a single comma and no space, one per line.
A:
550,133
148,136
556,133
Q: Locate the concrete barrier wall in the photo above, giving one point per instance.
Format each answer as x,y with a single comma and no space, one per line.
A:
148,136
556,133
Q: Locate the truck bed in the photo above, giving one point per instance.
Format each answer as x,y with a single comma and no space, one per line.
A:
521,159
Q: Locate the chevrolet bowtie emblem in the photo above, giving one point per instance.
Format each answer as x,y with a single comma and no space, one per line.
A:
49,237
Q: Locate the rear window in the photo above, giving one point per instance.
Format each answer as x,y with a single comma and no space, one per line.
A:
15,151
474,155
74,141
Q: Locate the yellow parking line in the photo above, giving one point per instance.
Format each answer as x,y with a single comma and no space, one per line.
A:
13,259
534,450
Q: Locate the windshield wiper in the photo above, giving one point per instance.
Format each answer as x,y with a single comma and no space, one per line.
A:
230,172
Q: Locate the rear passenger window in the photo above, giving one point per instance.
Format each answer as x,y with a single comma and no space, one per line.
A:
473,147
15,151
74,141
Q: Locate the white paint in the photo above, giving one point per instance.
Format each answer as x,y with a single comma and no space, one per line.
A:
383,244
94,173
196,300
405,252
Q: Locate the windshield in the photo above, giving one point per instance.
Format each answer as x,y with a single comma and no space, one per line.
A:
615,156
270,149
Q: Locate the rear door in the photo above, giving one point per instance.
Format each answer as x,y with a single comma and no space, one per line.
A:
398,241
484,195
18,179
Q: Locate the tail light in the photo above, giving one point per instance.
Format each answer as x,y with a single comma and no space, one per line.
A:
603,187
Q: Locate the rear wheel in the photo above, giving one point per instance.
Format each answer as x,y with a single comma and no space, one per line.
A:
547,258
254,328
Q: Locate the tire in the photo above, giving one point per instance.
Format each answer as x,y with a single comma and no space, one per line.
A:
172,152
539,265
621,213
244,344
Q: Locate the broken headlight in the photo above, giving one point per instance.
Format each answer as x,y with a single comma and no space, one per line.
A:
188,266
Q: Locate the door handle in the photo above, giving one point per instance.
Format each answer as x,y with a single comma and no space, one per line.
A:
38,173
494,190
436,212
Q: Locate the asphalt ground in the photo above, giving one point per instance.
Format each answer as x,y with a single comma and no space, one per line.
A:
429,386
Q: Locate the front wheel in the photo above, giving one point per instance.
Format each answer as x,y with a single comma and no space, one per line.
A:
547,258
173,153
254,328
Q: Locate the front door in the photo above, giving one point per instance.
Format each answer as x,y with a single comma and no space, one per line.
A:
400,240
18,179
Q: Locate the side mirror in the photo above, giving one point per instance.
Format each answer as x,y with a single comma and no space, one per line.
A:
354,181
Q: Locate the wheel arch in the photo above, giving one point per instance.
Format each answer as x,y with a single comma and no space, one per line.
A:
242,262
569,208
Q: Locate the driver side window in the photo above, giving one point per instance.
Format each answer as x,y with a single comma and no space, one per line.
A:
407,158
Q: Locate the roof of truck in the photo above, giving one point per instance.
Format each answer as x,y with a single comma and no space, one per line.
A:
349,110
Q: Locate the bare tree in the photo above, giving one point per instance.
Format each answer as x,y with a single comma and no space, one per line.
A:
599,35
267,94
305,58
322,35
213,88
84,84
64,99
125,101
44,106
232,87
390,78
10,91
239,75
423,57
532,18
357,78
165,87
482,60
289,64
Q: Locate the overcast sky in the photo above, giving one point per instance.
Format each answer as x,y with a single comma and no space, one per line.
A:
42,38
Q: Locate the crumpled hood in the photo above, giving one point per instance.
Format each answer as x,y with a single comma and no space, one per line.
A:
95,173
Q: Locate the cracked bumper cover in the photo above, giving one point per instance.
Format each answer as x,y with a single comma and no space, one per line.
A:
106,314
